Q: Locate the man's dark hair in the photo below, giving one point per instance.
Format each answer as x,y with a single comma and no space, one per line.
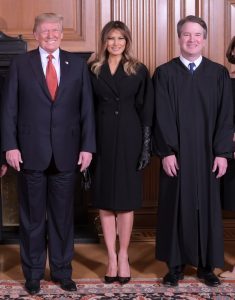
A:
192,19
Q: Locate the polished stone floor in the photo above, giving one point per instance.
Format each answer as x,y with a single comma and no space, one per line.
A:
90,261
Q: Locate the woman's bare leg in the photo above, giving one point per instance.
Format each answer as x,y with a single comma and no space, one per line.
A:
124,227
108,223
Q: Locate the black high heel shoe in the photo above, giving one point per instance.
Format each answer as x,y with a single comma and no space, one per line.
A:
124,280
110,279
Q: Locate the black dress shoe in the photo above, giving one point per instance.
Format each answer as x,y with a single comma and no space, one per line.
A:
172,278
124,280
32,286
110,279
66,284
208,276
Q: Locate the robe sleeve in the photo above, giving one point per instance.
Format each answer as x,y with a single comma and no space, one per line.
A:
144,98
223,145
165,133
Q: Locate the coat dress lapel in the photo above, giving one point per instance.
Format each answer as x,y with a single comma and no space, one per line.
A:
110,79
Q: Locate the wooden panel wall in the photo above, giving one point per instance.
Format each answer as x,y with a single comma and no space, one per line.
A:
152,22
17,17
153,26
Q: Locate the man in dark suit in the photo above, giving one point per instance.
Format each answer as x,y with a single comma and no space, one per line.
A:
47,131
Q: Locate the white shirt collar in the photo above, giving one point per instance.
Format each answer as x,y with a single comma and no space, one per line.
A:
187,62
44,54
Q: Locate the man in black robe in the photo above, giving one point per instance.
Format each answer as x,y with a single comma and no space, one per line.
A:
193,137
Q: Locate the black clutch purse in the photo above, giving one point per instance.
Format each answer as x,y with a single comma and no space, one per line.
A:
86,180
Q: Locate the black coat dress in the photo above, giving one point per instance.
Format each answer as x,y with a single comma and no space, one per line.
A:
228,180
194,122
123,105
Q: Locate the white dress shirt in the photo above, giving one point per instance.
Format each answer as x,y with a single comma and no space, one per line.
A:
187,62
55,61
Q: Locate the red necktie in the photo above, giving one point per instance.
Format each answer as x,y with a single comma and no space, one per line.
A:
51,77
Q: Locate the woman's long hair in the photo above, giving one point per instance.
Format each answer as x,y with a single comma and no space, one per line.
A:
230,51
130,64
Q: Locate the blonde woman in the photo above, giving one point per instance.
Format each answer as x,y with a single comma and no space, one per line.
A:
123,96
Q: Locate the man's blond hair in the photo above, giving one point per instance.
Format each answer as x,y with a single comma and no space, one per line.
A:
48,17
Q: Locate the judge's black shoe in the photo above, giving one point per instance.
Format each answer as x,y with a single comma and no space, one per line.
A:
172,278
208,276
66,284
32,286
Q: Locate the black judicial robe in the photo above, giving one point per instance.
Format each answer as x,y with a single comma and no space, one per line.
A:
228,181
123,104
193,121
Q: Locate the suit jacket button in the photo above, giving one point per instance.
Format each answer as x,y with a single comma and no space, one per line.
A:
116,112
117,99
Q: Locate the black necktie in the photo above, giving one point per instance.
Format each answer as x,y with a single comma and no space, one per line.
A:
191,67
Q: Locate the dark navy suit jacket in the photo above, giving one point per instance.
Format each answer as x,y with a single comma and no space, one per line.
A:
38,127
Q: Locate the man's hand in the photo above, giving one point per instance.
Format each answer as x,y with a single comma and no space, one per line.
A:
84,160
3,170
220,165
170,165
14,159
